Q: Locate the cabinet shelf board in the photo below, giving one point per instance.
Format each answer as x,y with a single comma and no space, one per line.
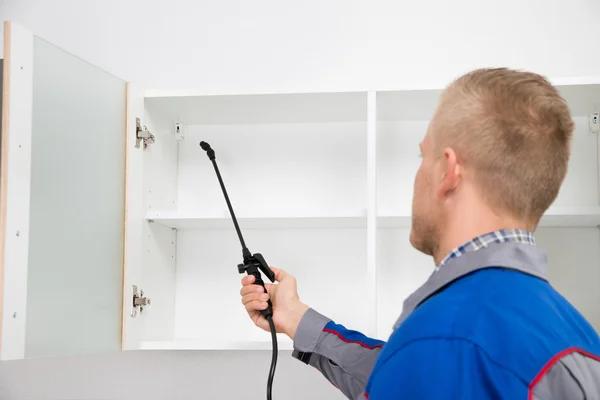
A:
283,343
189,220
556,216
571,216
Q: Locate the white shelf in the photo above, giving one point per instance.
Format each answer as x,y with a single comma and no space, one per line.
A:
283,343
189,220
394,221
571,216
555,216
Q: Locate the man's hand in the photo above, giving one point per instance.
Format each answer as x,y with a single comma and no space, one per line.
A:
287,307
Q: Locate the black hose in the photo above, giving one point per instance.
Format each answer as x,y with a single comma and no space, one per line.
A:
273,359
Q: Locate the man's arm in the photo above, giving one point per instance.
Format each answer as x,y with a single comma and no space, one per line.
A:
443,368
346,358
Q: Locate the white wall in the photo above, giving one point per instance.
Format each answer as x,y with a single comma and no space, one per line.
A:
274,45
238,46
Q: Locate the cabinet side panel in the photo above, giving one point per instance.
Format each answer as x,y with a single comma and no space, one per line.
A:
161,161
158,242
74,298
158,283
372,211
15,192
150,248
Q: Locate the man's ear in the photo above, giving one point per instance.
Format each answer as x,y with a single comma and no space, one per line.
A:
451,173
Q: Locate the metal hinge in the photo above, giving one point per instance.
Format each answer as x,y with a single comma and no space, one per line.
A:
142,134
179,131
139,301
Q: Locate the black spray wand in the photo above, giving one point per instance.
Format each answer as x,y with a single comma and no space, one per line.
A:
252,265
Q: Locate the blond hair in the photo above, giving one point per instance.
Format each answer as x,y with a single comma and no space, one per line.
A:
513,130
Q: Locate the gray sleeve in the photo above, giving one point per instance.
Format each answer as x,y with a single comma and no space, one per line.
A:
575,376
346,358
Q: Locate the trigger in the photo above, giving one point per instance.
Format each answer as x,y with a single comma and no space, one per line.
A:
264,267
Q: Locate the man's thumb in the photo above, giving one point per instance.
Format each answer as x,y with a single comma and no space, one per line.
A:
279,274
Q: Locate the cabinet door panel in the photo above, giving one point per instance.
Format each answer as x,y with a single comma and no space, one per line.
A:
15,187
76,206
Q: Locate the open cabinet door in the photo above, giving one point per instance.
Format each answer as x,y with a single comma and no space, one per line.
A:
135,222
66,135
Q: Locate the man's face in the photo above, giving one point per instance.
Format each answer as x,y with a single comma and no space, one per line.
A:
426,215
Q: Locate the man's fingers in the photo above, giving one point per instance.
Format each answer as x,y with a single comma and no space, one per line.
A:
255,297
251,289
255,305
279,275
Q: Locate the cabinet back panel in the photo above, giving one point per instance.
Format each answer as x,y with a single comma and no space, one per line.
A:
276,169
401,271
74,294
330,267
398,162
580,187
412,105
574,270
574,266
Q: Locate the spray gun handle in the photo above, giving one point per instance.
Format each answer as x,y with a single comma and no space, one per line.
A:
251,267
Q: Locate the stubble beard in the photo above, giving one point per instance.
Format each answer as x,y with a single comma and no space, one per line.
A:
424,233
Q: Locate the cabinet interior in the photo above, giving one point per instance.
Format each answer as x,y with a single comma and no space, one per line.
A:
310,196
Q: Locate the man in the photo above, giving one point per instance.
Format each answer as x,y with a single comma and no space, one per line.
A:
486,324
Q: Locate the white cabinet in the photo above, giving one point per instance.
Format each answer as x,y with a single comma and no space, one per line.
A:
321,184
